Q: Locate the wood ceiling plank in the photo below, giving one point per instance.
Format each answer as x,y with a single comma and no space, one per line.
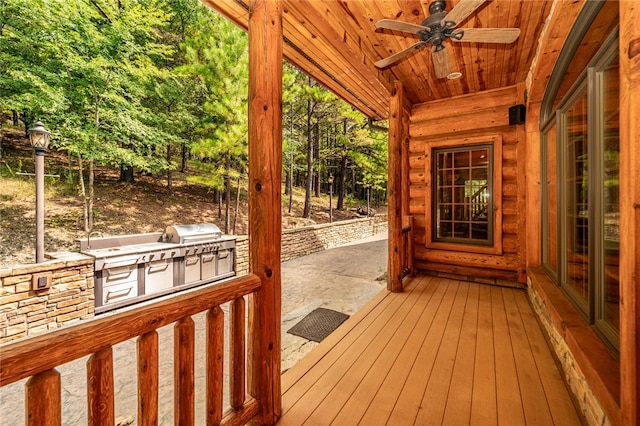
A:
528,41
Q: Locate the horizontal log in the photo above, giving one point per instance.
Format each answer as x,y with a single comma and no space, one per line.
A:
465,104
243,415
416,161
416,176
488,119
467,271
507,262
28,357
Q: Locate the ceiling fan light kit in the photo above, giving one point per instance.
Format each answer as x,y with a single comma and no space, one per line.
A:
439,27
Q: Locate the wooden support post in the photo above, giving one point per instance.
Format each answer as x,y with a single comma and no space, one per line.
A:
100,388
43,401
148,379
265,216
184,372
236,354
215,365
394,189
629,211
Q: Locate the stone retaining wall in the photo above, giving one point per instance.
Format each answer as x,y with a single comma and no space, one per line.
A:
70,298
305,240
26,312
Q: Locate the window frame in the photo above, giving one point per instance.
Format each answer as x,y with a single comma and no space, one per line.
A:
495,169
589,82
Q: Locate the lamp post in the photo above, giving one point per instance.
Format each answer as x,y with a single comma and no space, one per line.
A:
330,180
39,138
368,186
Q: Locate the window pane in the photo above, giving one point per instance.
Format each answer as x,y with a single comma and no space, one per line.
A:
577,201
551,255
462,195
611,199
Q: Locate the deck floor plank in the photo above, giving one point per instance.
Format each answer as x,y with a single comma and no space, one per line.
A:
559,400
435,396
410,400
510,410
443,352
379,409
484,401
534,400
458,405
369,384
385,345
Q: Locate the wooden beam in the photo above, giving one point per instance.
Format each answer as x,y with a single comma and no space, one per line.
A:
394,188
265,217
629,211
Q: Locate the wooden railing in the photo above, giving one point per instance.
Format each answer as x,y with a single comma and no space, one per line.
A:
38,357
408,261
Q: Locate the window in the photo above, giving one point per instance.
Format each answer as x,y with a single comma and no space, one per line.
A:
580,217
464,199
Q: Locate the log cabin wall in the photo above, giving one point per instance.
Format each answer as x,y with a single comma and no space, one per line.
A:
482,117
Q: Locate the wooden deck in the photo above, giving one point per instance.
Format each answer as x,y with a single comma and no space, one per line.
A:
443,352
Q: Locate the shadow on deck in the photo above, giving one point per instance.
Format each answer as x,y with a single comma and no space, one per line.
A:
443,352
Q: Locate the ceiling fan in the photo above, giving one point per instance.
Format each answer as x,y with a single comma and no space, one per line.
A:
439,27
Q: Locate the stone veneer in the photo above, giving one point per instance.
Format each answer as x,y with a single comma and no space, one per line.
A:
25,312
305,240
574,377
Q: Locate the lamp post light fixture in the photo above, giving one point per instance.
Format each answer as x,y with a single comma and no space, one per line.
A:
39,138
330,180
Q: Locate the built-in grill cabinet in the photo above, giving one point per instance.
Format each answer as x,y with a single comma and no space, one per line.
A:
133,268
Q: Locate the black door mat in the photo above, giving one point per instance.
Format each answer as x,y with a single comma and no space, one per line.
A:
318,324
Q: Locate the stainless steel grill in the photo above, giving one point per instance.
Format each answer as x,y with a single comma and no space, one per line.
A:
132,268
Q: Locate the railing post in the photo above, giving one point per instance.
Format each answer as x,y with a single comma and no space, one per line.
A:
100,388
147,348
184,371
215,365
265,217
394,188
43,400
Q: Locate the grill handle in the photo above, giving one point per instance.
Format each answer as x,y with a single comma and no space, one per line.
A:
208,257
117,272
223,254
192,260
118,293
158,268
119,262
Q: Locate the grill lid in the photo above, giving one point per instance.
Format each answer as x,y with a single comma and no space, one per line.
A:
191,233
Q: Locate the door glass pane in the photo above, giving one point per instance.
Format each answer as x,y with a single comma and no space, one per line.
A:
462,202
551,255
577,201
611,199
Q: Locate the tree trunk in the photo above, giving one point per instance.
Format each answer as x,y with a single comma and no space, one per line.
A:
227,185
83,194
235,216
185,152
169,171
90,197
16,120
126,174
307,195
290,183
342,181
318,171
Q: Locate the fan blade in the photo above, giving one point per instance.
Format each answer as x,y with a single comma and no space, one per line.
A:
462,10
406,27
440,62
489,35
395,57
